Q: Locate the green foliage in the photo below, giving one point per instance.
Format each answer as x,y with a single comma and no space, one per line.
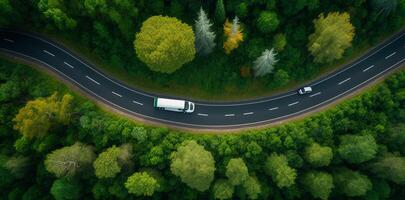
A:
194,165
319,184
281,78
204,36
357,148
279,42
318,156
17,165
390,167
68,161
252,187
333,35
109,163
63,189
38,116
236,171
265,63
165,44
141,184
267,22
223,189
282,174
220,12
351,183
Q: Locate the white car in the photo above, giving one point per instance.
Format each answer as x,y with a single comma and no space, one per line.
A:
174,105
305,90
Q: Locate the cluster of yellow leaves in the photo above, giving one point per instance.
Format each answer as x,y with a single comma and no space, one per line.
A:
38,116
233,37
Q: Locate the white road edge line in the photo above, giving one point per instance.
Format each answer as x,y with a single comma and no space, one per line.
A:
139,103
8,40
202,114
248,103
248,113
318,93
93,80
208,126
68,64
229,115
344,81
275,108
291,104
48,52
116,94
364,70
386,57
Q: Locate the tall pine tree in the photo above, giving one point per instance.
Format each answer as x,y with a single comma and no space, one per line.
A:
265,63
220,11
204,36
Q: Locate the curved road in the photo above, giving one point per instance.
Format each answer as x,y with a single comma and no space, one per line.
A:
384,57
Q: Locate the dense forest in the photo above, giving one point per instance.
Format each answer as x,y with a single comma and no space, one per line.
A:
57,145
242,48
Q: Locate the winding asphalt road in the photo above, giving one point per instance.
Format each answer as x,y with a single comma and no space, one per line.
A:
383,58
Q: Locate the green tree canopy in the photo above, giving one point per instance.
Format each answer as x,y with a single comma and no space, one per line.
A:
39,115
267,22
357,148
220,11
333,35
351,183
390,167
318,156
164,44
223,189
319,184
282,174
194,165
64,189
141,184
252,187
236,171
109,163
70,160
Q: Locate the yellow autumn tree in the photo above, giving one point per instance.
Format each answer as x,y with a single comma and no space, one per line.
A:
234,35
39,115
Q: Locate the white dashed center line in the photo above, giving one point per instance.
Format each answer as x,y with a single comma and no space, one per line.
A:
68,65
93,80
202,114
344,81
364,70
49,53
229,115
291,104
318,93
275,108
390,55
248,113
8,40
137,103
116,94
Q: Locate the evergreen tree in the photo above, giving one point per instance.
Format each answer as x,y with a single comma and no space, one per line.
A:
220,11
265,63
204,36
384,7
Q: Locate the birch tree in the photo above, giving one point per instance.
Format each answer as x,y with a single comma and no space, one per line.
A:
204,36
265,63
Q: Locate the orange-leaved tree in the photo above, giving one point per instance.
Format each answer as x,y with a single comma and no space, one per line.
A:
234,35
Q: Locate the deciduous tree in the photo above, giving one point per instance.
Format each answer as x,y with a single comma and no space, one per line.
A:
357,148
333,35
252,187
319,184
64,189
390,167
141,184
282,174
165,44
236,171
318,156
234,35
223,189
109,163
351,183
68,161
194,165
